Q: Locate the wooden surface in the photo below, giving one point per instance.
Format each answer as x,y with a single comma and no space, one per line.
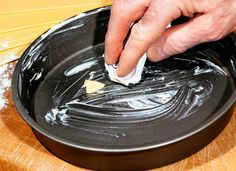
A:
20,150
21,21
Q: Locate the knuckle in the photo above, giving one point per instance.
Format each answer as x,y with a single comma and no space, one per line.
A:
137,33
175,45
213,30
161,51
152,12
117,4
119,7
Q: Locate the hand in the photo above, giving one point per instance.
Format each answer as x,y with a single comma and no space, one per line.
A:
210,21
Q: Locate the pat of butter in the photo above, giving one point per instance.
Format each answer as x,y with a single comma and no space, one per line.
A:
132,78
92,86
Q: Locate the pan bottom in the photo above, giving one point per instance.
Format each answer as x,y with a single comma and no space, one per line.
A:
173,97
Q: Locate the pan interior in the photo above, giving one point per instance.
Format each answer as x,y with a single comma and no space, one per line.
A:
174,97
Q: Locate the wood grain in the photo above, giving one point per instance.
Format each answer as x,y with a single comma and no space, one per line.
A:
20,150
21,22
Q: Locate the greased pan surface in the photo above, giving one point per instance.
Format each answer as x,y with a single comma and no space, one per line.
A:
180,105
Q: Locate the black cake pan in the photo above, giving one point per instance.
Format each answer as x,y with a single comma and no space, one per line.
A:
180,105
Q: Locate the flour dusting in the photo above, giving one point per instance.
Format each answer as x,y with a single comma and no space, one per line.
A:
5,83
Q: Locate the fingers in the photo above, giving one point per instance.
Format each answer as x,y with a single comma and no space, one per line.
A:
175,40
123,14
145,32
150,31
178,39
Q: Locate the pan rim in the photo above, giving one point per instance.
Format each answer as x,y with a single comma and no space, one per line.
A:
35,126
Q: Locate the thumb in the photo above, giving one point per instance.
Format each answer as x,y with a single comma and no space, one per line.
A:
178,39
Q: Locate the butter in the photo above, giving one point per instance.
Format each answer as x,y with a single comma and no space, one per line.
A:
92,86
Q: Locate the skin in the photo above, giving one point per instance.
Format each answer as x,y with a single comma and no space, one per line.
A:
210,20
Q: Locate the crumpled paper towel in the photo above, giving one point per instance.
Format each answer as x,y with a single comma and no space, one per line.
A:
132,78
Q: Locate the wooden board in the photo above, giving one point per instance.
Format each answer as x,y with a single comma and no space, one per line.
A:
22,21
19,148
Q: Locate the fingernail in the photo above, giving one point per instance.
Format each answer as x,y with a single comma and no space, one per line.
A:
107,59
119,72
153,55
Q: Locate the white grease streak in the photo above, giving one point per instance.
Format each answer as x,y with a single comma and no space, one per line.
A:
79,68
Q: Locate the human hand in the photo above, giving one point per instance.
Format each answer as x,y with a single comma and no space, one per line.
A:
210,21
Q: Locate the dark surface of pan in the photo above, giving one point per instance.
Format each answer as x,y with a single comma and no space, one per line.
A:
180,105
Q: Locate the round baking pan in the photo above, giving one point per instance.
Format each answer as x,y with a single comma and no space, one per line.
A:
180,105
